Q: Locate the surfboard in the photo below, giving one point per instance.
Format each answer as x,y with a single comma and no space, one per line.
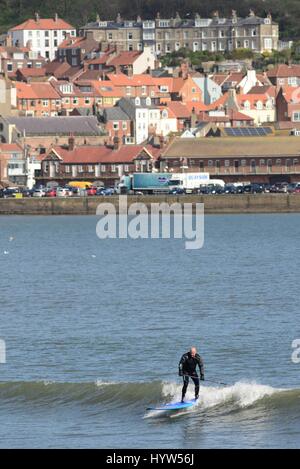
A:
174,405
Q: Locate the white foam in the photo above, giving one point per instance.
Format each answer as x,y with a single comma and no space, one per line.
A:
241,394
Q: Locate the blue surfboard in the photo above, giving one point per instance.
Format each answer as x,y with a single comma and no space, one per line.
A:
174,405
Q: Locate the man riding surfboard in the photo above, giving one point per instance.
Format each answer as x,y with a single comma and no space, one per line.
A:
187,369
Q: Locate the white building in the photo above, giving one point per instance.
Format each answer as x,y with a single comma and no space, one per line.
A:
148,118
41,35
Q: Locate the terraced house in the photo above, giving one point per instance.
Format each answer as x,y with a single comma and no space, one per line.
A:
165,35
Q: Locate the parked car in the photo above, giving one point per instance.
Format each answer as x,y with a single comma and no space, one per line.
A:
9,193
39,193
27,192
177,191
106,191
230,189
280,188
51,192
91,191
63,192
253,188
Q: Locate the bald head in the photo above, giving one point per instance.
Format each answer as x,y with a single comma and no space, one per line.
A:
193,351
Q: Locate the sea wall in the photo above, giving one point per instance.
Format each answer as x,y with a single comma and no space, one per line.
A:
256,203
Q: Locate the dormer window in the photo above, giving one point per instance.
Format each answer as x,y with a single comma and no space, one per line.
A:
137,101
66,89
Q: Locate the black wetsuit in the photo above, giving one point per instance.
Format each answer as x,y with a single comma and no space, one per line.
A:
187,369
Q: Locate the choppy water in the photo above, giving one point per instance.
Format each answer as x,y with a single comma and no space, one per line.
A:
94,331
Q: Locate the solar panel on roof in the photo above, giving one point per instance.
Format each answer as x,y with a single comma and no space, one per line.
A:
248,131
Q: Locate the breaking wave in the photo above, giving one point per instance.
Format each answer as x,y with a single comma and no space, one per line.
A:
111,394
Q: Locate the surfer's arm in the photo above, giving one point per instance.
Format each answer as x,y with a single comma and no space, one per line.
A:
201,368
180,366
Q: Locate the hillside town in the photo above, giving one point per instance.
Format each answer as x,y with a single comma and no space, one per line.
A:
98,104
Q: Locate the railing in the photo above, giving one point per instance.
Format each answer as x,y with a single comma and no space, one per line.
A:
282,170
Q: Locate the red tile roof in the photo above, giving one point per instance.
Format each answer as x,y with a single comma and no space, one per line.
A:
284,71
32,72
125,58
120,79
291,94
36,91
101,154
10,148
179,109
43,24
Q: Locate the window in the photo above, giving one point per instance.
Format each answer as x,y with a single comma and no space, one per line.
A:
80,169
55,43
110,36
268,43
9,67
87,101
116,125
292,81
128,90
124,125
45,102
164,89
113,168
90,168
46,33
75,100
126,168
130,36
103,168
296,116
47,43
67,169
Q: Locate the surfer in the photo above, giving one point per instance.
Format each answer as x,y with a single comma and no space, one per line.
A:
187,369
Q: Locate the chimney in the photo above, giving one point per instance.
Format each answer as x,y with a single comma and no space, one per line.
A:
37,17
8,41
56,17
184,70
193,118
71,143
116,142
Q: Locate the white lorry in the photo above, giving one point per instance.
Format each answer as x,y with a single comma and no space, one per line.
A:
188,182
